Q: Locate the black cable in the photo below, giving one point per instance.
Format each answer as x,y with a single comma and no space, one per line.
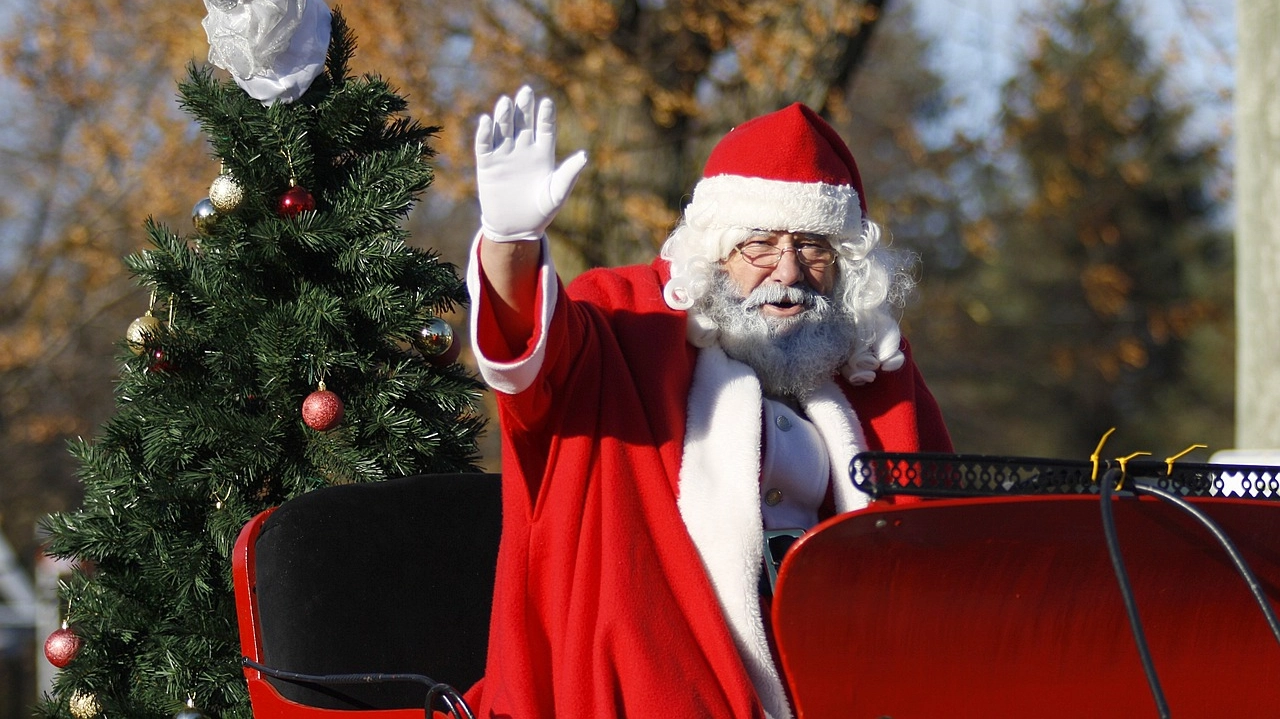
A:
1109,480
435,690
1250,579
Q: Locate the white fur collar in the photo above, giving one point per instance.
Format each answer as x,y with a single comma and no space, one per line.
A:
719,496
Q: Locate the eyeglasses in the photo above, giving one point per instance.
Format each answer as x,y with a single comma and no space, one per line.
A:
812,251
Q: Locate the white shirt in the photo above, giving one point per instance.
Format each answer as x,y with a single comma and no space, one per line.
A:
795,469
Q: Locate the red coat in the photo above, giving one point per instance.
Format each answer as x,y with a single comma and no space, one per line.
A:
603,607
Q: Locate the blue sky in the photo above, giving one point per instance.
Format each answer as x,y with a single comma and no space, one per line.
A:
978,43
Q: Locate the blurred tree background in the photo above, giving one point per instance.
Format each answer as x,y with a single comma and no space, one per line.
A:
1095,288
1076,256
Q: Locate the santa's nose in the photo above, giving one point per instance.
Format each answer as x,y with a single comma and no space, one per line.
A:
788,270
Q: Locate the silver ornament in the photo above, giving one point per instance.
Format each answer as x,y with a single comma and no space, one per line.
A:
225,193
435,338
204,216
190,712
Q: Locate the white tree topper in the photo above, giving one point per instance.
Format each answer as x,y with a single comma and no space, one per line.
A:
273,49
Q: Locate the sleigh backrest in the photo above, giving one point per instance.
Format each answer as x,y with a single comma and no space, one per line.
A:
391,577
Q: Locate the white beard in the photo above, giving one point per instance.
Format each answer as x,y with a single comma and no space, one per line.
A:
790,355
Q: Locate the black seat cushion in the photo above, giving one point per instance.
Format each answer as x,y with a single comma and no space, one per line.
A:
387,577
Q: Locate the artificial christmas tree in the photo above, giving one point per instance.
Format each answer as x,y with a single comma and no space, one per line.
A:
296,275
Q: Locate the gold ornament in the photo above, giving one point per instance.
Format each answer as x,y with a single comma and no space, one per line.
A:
84,705
435,338
225,193
204,216
142,331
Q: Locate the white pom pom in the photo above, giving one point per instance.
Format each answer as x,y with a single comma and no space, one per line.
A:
701,331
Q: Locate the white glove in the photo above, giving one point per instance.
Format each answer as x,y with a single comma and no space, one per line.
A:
520,187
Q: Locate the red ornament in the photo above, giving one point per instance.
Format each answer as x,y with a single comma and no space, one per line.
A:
295,201
322,410
62,646
160,361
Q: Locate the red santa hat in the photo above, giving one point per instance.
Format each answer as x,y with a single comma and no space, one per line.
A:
785,171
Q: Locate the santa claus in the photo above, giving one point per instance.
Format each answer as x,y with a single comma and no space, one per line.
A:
657,420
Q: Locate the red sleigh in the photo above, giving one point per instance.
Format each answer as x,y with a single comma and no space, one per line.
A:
998,597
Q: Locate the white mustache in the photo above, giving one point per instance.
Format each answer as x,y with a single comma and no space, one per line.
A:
772,293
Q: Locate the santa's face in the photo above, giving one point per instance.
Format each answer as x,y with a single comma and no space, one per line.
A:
785,259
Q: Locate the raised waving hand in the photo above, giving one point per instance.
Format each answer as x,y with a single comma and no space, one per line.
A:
521,189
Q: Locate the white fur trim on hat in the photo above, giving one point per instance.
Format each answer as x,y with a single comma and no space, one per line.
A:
726,201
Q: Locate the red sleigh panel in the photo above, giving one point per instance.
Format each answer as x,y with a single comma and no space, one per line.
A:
1010,607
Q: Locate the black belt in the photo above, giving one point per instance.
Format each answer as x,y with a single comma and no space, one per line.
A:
776,544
